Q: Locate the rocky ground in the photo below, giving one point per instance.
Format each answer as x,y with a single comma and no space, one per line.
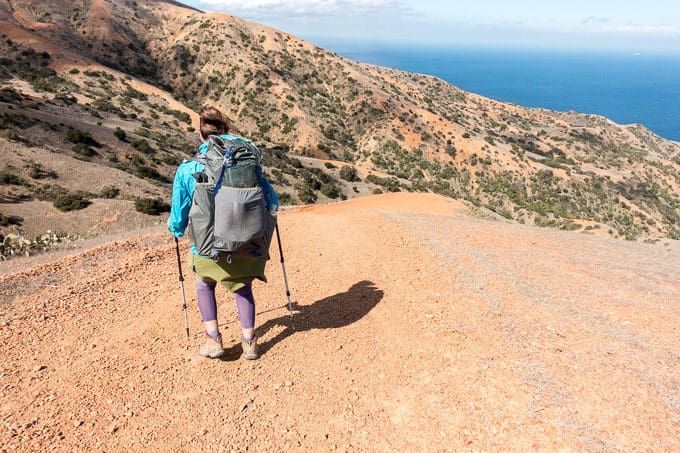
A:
417,328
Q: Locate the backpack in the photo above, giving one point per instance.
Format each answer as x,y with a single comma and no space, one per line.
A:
229,214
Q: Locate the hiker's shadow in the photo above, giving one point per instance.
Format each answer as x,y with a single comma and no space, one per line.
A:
338,310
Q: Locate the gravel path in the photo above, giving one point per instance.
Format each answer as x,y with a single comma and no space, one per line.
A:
418,328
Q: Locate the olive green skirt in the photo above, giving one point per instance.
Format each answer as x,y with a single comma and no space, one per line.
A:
232,275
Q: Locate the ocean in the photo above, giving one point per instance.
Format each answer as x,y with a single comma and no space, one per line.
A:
627,88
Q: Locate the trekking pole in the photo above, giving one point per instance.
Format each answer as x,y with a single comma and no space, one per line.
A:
285,278
181,284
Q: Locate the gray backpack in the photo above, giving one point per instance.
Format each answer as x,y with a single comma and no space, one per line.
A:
229,214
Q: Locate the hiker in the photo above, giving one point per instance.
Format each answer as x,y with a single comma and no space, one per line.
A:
235,272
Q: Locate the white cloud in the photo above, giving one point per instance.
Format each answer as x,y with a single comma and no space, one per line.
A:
605,25
445,22
648,29
595,20
301,8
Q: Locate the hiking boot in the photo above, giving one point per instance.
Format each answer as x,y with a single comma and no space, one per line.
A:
211,347
249,349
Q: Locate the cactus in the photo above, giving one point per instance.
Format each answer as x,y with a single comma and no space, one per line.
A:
16,245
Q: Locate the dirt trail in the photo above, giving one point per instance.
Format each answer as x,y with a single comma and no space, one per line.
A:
419,328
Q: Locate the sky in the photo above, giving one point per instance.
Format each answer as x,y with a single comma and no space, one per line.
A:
628,26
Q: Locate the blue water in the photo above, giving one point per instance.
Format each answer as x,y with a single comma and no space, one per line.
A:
626,88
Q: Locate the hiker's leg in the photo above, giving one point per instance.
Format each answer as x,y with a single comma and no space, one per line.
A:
207,304
212,345
245,304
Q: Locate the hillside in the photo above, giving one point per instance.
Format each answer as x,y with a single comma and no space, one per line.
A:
418,328
117,85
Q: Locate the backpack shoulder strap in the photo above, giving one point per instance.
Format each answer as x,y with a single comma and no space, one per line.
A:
240,151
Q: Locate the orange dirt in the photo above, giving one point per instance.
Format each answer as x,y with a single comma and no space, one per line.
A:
418,328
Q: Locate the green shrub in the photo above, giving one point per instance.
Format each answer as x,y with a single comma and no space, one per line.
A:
105,105
37,171
72,201
14,136
330,190
285,199
8,120
306,195
131,92
348,173
120,134
182,116
11,179
109,192
77,136
83,150
7,220
67,99
49,192
144,171
142,145
171,160
391,184
9,94
49,84
151,206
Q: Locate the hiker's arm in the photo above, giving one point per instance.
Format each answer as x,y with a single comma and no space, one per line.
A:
182,192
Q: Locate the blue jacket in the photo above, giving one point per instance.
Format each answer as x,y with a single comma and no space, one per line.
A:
183,192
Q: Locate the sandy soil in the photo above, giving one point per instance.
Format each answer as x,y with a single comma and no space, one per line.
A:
417,328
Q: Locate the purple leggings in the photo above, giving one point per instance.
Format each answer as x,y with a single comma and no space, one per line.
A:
245,303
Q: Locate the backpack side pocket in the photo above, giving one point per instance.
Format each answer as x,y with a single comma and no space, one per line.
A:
202,218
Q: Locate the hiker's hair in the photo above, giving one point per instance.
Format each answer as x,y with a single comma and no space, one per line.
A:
213,122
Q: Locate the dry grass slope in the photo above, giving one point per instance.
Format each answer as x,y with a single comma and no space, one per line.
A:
143,68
